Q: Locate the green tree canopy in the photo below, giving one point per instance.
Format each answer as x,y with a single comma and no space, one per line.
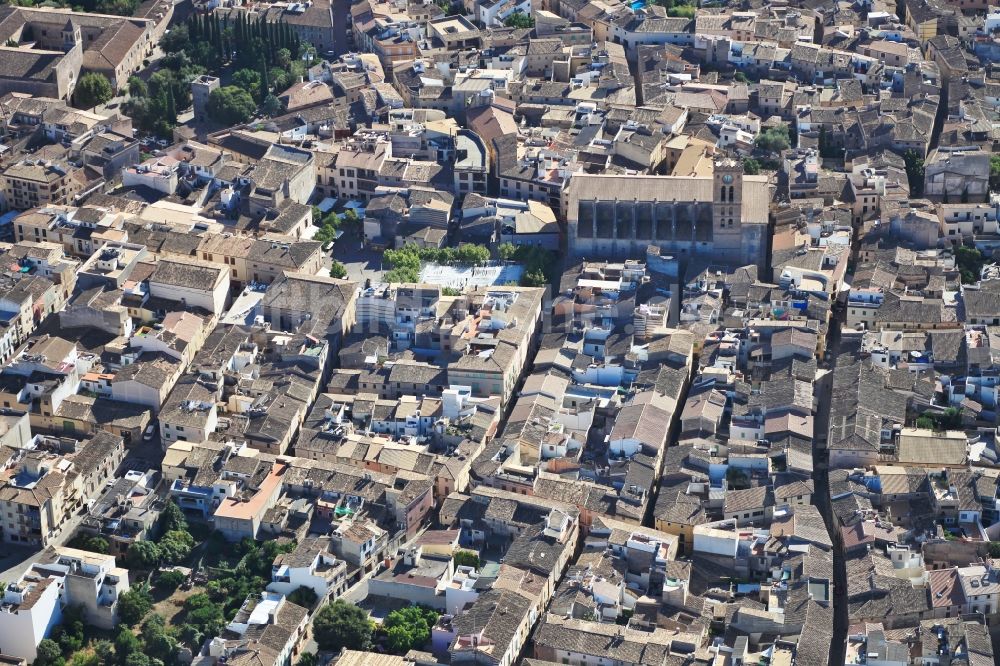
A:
337,270
230,105
204,614
303,596
341,625
914,164
172,518
143,555
176,39
48,653
93,89
170,580
774,139
93,543
519,20
970,263
473,254
137,87
135,604
409,628
157,641
175,546
466,558
248,80
126,643
138,659
271,106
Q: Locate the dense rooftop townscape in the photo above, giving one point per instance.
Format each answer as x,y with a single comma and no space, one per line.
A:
501,333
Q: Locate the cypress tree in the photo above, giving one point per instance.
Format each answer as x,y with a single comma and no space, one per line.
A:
245,39
217,39
272,42
171,106
265,85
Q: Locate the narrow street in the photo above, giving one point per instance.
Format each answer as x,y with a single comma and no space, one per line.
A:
24,558
821,490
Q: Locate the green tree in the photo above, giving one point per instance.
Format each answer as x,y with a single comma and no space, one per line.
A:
284,58
190,635
970,263
304,596
69,633
138,659
157,641
307,659
137,87
337,270
914,164
466,558
104,649
93,89
230,105
683,11
172,518
170,580
48,653
176,39
519,20
271,106
506,251
177,82
117,7
473,254
326,233
85,658
205,614
135,605
341,625
409,628
175,546
143,555
534,278
248,80
994,173
404,264
751,167
126,643
774,139
925,422
94,544
351,217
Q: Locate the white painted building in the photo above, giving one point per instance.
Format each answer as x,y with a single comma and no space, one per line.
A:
310,565
193,283
32,605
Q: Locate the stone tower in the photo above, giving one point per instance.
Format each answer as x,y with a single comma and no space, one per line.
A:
70,36
201,90
727,203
